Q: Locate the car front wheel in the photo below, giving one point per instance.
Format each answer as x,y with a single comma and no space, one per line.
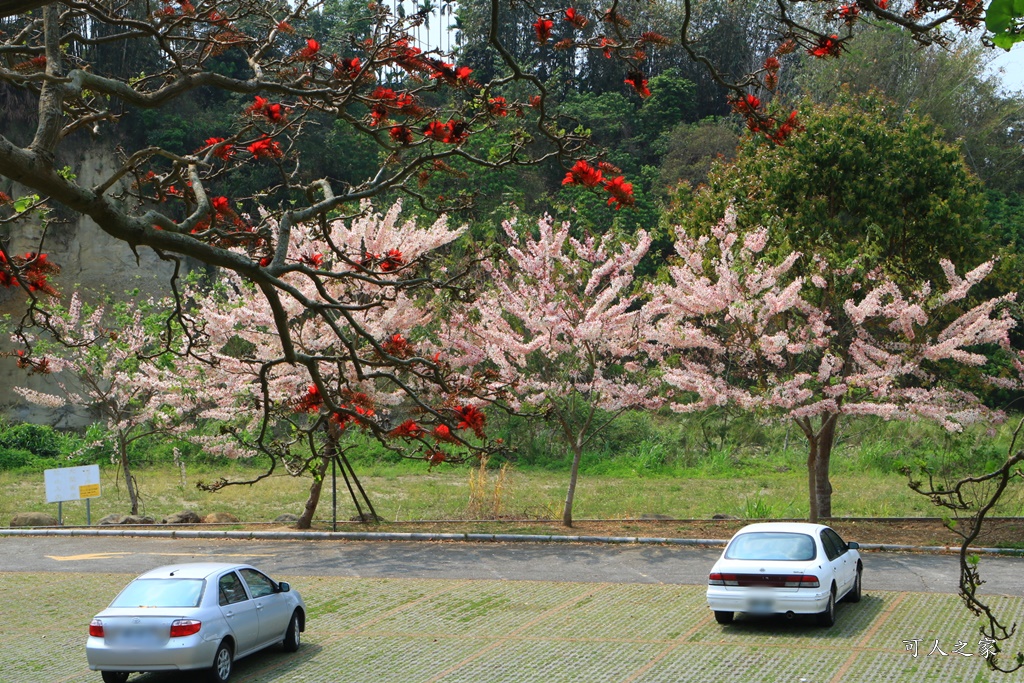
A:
114,676
292,636
221,671
828,617
724,617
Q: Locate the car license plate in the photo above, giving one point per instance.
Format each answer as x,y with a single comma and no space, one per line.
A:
138,637
761,605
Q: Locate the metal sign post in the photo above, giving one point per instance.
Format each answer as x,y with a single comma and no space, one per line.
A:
72,483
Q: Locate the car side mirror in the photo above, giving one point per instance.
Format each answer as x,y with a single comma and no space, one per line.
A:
283,587
853,545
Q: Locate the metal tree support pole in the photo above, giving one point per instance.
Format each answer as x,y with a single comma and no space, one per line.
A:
334,496
346,463
359,509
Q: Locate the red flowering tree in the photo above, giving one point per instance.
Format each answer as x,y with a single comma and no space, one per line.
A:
559,334
747,331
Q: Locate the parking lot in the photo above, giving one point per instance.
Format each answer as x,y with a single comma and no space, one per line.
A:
425,630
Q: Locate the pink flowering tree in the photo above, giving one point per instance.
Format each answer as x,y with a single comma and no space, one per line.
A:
364,366
112,362
752,334
559,330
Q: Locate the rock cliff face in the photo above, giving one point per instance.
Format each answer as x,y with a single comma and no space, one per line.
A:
92,263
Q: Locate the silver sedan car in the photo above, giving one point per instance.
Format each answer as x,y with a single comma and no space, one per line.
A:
193,616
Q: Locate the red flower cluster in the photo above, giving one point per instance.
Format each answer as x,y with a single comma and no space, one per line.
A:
638,82
314,260
542,27
575,18
393,261
262,107
612,16
224,152
348,69
652,38
848,14
771,76
621,192
388,100
471,418
401,134
826,47
221,205
37,63
748,105
443,433
265,148
34,268
535,101
398,346
606,47
310,402
449,73
497,106
308,53
583,174
452,132
786,128
407,430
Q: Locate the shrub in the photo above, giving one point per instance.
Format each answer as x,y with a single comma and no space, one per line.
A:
40,440
16,458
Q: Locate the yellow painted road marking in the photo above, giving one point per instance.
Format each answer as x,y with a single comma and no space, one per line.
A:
108,556
89,556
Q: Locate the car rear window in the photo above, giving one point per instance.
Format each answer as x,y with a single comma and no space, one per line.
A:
771,545
160,593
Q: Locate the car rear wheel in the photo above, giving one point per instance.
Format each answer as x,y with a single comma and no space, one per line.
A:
724,617
292,637
221,671
854,594
114,676
828,617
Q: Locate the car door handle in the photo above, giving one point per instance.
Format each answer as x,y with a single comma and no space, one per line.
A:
259,606
229,614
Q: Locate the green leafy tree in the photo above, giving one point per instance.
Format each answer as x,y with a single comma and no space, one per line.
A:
867,185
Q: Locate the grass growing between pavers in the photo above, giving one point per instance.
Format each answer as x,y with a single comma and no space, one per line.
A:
449,631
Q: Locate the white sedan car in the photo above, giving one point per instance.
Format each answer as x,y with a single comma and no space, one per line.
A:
193,616
785,568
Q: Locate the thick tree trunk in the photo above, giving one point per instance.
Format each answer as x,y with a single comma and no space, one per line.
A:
823,491
577,453
306,519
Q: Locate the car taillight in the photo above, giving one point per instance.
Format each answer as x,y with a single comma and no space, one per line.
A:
802,582
96,628
717,579
185,627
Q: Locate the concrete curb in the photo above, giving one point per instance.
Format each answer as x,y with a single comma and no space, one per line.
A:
467,537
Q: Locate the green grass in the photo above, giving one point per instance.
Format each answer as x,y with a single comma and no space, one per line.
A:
670,467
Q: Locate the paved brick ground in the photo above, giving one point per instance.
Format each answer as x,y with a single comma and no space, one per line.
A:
426,631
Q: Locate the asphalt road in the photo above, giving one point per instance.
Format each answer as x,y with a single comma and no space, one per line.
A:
430,560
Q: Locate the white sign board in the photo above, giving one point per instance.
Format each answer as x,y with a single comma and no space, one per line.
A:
72,483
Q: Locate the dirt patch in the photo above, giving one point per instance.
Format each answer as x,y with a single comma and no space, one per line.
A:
998,533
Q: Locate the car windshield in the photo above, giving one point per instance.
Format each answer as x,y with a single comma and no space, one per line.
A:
160,593
771,545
